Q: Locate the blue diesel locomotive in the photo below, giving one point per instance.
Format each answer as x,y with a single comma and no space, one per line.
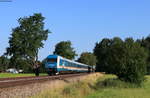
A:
56,64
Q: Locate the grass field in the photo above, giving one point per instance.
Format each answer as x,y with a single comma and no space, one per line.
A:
8,75
104,87
122,90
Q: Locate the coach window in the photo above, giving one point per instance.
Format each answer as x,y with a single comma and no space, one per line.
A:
61,62
72,64
69,63
76,65
66,63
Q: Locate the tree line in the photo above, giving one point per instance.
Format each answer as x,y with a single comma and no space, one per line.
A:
25,42
125,58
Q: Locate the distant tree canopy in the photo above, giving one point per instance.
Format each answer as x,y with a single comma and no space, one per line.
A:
145,42
87,58
4,63
42,68
126,59
26,40
65,49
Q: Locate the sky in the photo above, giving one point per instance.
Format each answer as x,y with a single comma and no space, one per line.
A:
83,22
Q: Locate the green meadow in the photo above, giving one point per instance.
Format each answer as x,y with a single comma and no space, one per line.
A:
109,87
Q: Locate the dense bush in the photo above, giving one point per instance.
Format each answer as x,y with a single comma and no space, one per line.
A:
132,67
101,52
4,63
126,59
145,42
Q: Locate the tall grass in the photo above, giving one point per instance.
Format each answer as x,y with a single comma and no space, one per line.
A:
95,86
111,87
73,89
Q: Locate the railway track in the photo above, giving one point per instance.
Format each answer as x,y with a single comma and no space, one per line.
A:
12,82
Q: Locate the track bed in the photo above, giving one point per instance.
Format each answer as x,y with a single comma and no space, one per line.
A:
11,82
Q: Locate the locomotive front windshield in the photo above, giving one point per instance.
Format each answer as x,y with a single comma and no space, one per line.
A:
52,60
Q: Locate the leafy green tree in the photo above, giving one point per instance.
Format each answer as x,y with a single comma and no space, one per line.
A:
4,63
132,67
126,59
65,49
42,68
87,58
145,42
115,54
27,39
101,52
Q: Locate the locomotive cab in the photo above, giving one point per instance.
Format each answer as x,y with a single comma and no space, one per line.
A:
51,65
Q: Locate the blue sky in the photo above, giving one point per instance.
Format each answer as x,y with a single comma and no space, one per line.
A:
83,22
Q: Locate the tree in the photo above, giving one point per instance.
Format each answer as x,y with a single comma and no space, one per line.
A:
64,49
27,39
4,63
115,54
126,59
145,42
42,68
87,58
101,51
132,66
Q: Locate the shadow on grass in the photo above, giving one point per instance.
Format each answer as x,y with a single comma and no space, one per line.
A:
114,83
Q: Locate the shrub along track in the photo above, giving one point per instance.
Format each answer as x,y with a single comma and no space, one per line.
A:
11,82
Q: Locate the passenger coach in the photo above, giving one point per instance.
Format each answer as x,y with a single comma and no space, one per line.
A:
56,64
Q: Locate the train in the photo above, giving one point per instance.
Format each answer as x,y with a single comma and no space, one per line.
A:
56,64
